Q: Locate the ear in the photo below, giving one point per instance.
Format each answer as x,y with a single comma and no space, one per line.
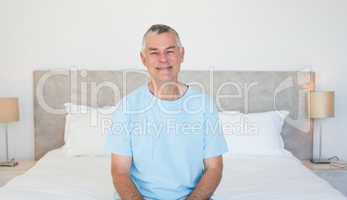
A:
182,54
143,58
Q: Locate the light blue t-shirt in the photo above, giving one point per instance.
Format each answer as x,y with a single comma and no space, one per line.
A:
167,140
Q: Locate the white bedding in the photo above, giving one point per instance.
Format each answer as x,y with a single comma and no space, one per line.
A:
272,178
59,177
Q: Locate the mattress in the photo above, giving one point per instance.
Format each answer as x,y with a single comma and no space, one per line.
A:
272,178
60,177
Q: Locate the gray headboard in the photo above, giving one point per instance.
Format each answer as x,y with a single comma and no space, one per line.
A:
246,91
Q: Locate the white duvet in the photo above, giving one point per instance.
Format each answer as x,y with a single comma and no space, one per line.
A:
272,178
58,177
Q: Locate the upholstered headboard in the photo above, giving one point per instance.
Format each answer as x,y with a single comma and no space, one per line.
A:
246,91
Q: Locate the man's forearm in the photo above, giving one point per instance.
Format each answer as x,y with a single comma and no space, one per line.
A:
126,188
207,185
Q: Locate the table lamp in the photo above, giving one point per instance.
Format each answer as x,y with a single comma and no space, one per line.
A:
9,112
321,106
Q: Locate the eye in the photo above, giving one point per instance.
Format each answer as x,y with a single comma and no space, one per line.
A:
170,52
153,53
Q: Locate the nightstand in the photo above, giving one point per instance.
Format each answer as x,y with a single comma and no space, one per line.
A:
336,176
8,173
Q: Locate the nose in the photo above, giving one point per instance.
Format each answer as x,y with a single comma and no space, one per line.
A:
163,58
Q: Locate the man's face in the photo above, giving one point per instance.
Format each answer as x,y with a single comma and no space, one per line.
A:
162,57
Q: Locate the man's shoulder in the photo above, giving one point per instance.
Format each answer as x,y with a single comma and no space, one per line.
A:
201,99
195,91
139,91
133,97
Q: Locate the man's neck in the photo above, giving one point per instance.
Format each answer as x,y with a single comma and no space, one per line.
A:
167,90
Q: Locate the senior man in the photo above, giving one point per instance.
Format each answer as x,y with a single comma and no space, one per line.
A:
166,140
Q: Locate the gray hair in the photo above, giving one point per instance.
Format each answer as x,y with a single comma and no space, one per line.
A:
159,29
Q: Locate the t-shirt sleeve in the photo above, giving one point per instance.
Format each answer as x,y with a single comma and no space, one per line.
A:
118,140
214,141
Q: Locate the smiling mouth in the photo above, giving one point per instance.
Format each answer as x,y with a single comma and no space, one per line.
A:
164,68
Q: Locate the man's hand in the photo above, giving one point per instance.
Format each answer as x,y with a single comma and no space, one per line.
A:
210,180
120,167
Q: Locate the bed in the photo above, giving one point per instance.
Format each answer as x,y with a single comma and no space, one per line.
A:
271,177
58,175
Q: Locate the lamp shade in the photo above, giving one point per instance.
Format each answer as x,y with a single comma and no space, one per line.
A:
9,110
322,104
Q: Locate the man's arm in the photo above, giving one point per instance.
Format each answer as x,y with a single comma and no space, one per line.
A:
120,167
210,180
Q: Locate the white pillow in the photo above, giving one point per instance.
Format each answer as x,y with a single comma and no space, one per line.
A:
85,130
254,133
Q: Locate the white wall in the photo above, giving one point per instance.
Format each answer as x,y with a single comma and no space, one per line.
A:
229,34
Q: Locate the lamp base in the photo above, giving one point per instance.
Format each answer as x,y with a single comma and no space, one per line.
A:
320,161
9,163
